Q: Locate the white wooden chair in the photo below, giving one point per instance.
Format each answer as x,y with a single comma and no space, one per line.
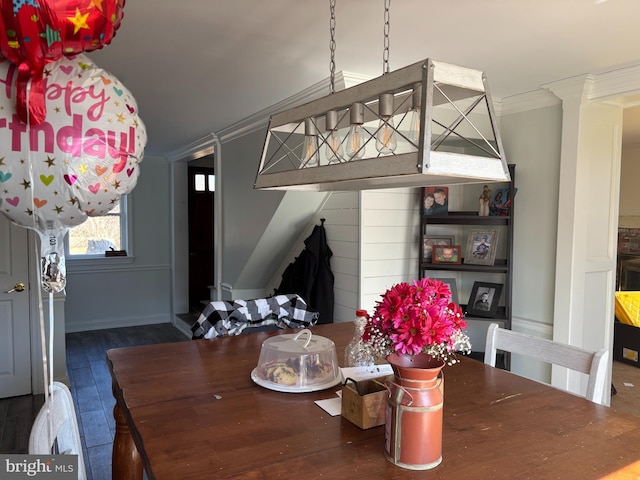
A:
55,429
593,364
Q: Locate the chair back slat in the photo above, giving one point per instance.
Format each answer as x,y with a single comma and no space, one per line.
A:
594,364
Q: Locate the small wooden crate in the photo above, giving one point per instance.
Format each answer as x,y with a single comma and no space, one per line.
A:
364,403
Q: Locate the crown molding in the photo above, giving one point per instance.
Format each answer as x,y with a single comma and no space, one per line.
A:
621,86
624,82
528,101
197,149
260,119
351,79
578,87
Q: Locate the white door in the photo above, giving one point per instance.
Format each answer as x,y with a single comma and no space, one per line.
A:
15,343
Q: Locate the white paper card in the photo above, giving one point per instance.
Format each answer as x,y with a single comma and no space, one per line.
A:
333,406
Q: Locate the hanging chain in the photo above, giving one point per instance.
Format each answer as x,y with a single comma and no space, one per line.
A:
387,27
332,45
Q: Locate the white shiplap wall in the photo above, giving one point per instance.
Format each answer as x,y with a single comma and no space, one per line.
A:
342,223
389,232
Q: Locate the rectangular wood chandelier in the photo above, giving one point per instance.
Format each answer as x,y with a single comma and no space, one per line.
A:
431,123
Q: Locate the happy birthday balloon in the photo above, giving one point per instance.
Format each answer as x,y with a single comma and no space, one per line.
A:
34,33
77,163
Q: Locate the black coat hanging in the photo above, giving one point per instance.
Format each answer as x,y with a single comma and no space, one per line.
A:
310,275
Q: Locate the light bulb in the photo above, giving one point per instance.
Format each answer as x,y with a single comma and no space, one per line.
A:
386,141
414,125
334,153
355,138
414,115
355,142
310,157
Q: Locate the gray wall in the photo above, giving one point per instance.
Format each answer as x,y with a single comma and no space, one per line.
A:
245,212
532,141
629,191
107,293
180,239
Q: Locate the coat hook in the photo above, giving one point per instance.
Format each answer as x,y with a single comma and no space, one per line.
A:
322,221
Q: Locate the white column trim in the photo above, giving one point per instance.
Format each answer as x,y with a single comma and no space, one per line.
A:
591,126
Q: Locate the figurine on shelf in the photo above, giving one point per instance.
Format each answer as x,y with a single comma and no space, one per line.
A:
485,198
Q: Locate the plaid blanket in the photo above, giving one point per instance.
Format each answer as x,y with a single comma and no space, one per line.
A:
231,318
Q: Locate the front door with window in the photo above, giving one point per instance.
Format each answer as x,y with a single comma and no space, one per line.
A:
15,340
201,235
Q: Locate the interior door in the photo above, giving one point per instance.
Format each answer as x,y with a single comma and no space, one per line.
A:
15,343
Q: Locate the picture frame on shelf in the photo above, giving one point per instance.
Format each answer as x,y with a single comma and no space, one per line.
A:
484,299
435,201
429,241
500,204
451,254
453,286
481,247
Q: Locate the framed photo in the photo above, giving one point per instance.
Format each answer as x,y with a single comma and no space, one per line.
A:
481,247
429,241
447,254
500,204
435,201
484,298
453,286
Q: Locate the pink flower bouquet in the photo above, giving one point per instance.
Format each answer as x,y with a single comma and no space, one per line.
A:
418,318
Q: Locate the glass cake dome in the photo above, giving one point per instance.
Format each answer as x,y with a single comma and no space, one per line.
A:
299,362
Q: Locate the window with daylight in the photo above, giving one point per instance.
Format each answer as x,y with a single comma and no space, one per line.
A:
204,183
97,235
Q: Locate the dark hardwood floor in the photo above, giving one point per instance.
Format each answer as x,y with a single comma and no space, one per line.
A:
90,385
16,417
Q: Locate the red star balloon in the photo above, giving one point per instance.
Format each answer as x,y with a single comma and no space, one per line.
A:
36,32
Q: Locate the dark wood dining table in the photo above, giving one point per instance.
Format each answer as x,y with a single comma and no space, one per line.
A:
189,410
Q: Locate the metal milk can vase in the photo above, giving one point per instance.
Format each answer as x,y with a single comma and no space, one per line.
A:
413,428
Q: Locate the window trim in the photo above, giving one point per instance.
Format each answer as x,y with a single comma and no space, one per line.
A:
126,228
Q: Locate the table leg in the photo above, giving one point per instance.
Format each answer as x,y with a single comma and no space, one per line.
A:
126,463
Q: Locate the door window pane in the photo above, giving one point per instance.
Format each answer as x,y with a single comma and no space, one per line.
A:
199,182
